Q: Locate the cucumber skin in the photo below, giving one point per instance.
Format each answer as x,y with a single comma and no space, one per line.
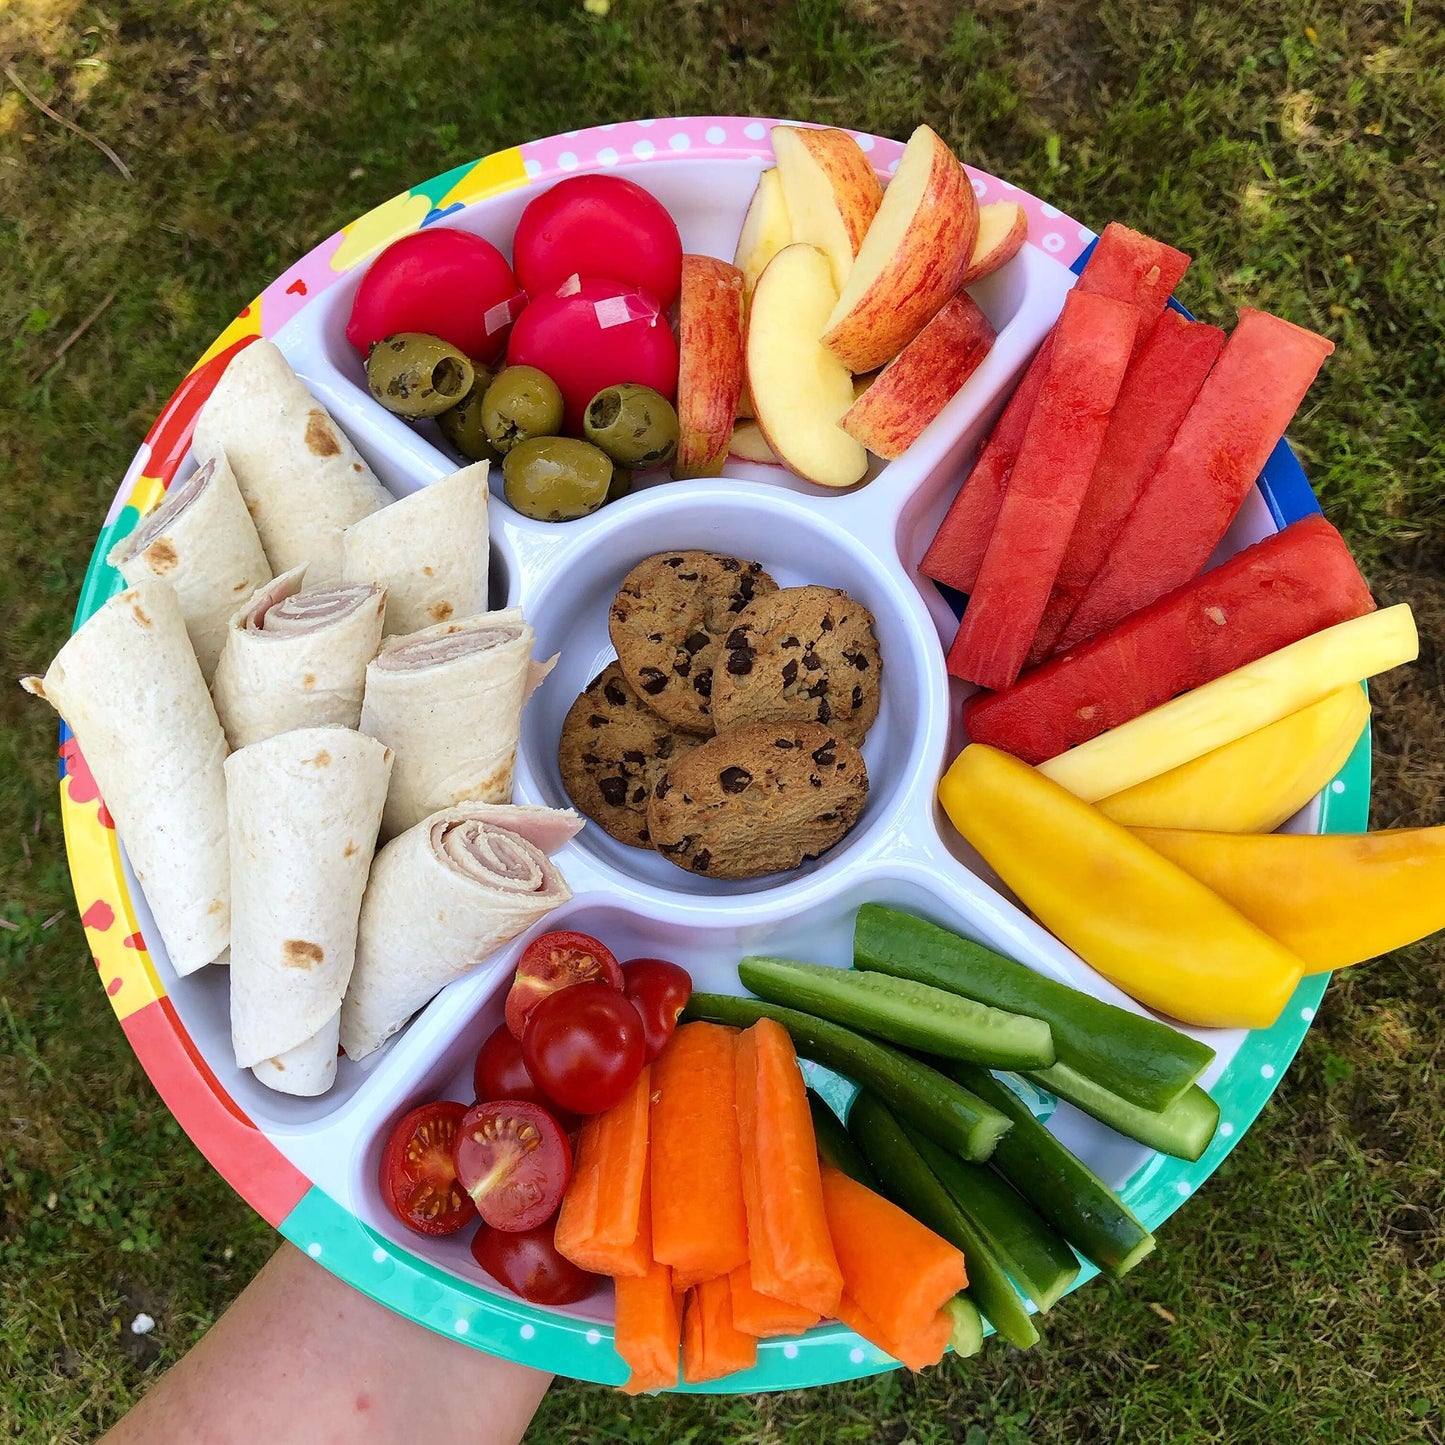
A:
910,1022
836,1146
914,1188
941,1107
1184,1129
1140,1059
1063,1189
1036,1257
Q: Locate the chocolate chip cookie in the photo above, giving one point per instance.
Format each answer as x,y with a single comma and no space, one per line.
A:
801,654
758,799
613,749
668,621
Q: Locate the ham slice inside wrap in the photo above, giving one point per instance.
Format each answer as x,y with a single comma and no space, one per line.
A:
448,701
297,659
442,898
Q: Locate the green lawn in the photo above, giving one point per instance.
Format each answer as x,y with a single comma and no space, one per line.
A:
1294,149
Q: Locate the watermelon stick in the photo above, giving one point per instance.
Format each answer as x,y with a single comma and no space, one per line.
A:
1092,344
1160,386
1125,266
1220,449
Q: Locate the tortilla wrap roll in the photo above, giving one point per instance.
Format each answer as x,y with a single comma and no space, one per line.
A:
443,897
448,701
303,481
429,551
303,813
201,540
296,659
130,688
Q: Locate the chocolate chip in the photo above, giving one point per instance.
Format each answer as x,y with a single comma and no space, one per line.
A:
591,759
819,688
662,789
664,746
673,562
634,756
740,661
815,780
654,637
683,666
812,661
673,847
738,637
643,836
639,797
614,693
734,780
654,680
598,721
702,683
827,817
784,743
696,641
825,713
790,641
790,672
857,694
687,576
729,564
859,660
826,754
614,791
826,623
701,862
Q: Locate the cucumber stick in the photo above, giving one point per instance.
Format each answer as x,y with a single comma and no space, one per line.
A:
836,1145
1063,1189
913,1186
967,1336
941,1108
1184,1129
1140,1059
905,1012
1040,1262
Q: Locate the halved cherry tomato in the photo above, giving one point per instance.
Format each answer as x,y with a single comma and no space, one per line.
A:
584,1046
659,990
515,1162
553,961
529,1265
418,1175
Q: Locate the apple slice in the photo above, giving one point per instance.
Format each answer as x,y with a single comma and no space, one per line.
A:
918,383
766,229
1003,227
710,364
912,259
800,389
832,192
750,445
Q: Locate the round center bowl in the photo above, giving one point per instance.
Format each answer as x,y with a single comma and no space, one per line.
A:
310,1166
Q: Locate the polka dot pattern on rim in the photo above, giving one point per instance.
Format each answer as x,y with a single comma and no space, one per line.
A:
1337,786
567,161
1226,1130
715,135
607,156
856,1355
593,1337
378,1255
527,1331
1266,1071
314,1250
755,130
644,150
790,1352
1307,1014
462,1326
679,142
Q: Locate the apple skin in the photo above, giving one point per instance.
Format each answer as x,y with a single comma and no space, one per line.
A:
834,217
920,381
925,250
1003,227
710,365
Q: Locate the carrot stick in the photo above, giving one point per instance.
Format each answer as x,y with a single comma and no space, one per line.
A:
699,1221
601,1233
917,1352
712,1346
761,1315
897,1271
790,1251
649,1331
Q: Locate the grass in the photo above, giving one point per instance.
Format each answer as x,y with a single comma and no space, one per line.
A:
1295,149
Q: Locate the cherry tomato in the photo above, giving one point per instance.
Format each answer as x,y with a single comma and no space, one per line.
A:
500,1073
553,961
584,1046
440,281
529,1264
418,1177
515,1161
600,334
659,990
598,226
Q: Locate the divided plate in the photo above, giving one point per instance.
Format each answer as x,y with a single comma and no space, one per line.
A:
309,1166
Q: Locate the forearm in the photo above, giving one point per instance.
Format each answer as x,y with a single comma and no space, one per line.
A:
301,1357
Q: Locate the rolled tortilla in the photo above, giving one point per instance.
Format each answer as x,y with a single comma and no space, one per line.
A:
296,659
429,551
201,540
303,481
129,686
448,701
442,898
303,813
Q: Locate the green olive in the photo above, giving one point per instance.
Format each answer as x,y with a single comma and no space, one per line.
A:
621,484
462,425
416,375
521,402
554,479
635,425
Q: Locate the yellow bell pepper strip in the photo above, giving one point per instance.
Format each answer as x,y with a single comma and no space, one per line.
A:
1240,702
1142,922
1254,784
1333,898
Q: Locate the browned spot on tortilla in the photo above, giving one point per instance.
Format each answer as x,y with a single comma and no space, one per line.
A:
321,435
35,686
253,507
321,760
357,467
349,851
428,572
161,555
308,680
217,906
440,610
244,585
297,953
277,1064
141,615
